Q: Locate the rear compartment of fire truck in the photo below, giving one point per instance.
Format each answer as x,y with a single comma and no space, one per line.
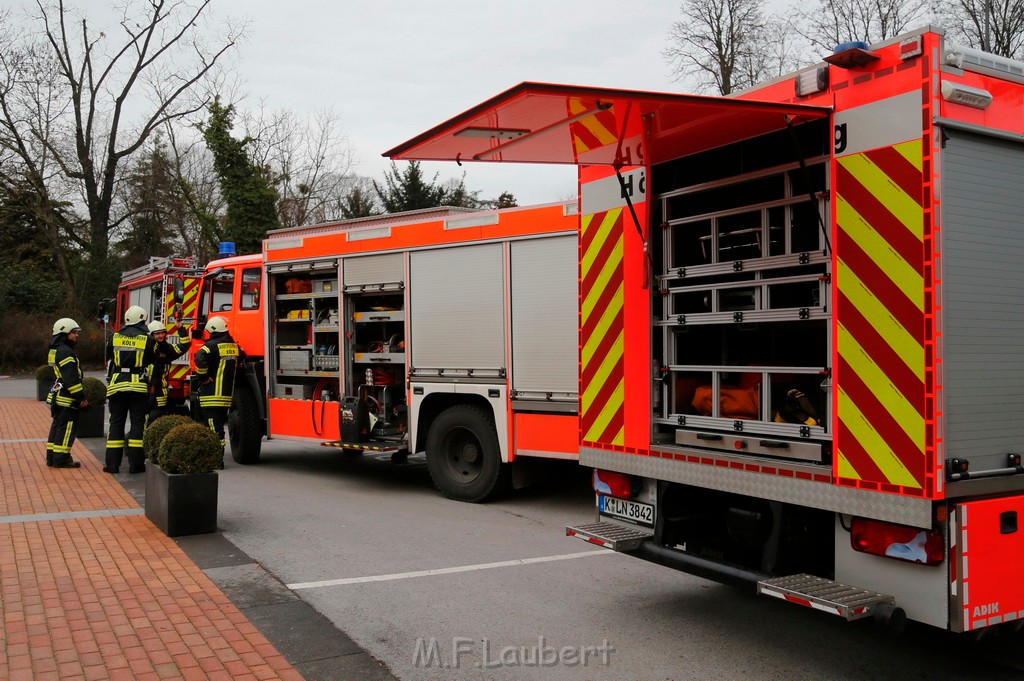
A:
742,345
743,339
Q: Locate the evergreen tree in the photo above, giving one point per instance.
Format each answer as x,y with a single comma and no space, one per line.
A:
358,203
153,202
409,190
247,191
506,200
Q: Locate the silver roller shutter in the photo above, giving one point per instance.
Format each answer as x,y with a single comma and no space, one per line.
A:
982,247
544,316
374,269
457,309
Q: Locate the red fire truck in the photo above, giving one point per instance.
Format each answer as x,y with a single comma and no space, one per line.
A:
443,330
800,362
168,290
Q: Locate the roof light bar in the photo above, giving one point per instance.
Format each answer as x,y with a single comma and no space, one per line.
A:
966,95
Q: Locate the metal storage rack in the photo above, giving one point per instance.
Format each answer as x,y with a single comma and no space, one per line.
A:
304,332
744,304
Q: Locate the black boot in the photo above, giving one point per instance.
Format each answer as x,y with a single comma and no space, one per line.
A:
111,470
141,468
49,457
65,461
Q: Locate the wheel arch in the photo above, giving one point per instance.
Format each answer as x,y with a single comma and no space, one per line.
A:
435,403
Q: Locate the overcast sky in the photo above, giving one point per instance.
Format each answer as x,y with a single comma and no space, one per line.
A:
394,69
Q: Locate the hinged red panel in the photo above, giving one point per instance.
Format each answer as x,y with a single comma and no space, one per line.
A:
547,123
990,552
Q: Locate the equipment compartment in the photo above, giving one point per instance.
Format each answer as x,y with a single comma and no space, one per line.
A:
373,413
304,331
742,329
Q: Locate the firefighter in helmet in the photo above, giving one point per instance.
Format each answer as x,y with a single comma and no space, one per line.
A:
216,365
67,397
130,351
168,349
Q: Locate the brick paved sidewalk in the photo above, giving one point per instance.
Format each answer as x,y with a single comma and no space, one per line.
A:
90,589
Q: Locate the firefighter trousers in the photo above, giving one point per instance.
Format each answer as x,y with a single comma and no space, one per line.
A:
156,410
62,435
122,406
217,418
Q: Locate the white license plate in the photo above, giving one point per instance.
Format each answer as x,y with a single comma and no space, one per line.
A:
631,511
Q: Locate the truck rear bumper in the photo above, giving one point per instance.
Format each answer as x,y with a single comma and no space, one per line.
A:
640,545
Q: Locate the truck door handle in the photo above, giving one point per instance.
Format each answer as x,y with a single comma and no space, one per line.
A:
773,444
709,436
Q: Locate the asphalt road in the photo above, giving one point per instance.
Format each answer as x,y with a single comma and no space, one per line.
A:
372,546
438,589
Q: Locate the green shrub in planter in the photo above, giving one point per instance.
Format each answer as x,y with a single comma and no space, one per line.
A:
155,433
44,381
95,391
91,422
190,448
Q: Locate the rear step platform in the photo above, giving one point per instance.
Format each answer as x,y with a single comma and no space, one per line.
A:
610,536
825,595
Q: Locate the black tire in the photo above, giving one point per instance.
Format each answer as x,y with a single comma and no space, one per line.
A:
463,455
245,427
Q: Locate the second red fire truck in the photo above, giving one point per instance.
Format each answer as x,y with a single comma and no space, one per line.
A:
444,330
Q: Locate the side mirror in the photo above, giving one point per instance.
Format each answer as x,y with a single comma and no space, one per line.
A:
179,291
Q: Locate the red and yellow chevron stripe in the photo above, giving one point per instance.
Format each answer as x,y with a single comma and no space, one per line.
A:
592,132
189,304
880,375
187,310
602,328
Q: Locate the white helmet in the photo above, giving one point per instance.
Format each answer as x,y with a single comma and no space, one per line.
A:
134,315
65,325
217,325
155,326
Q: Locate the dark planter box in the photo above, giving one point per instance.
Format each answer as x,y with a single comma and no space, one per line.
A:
181,504
43,388
91,422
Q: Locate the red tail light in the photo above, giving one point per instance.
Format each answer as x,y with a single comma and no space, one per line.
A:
910,544
613,484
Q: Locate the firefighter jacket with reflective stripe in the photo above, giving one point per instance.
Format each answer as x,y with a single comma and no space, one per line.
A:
131,350
216,364
69,391
166,352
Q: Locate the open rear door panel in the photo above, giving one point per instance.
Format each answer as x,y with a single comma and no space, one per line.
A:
547,123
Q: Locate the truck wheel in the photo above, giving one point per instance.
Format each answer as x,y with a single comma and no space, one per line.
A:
463,455
245,427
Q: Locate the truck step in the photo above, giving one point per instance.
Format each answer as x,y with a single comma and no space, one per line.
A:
608,535
363,446
824,594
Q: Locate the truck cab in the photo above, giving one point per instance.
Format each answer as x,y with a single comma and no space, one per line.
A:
232,288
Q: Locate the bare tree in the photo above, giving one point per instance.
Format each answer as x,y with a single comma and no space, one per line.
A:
75,103
309,159
995,26
722,45
832,22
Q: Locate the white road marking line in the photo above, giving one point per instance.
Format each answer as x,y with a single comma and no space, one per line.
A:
444,571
